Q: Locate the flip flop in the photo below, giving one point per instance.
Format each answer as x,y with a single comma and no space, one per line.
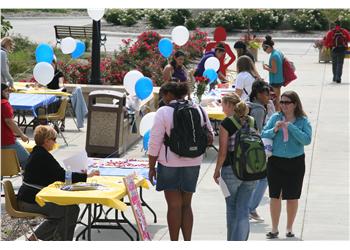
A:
271,235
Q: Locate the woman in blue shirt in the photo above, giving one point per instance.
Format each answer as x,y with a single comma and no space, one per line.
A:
290,131
275,68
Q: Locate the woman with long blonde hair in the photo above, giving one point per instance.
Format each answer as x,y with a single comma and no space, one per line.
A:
237,212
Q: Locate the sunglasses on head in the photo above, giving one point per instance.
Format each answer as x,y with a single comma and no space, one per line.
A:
286,102
265,47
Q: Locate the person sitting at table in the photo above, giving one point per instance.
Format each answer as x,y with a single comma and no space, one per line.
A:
42,170
57,80
175,71
9,128
245,78
218,52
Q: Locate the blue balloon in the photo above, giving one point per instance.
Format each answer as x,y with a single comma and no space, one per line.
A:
44,53
210,74
79,49
165,47
143,88
146,137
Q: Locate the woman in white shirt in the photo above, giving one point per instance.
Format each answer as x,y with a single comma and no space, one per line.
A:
245,77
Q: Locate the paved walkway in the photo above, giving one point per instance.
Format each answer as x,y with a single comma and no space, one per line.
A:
324,206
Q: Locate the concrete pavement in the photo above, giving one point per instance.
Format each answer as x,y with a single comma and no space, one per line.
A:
324,205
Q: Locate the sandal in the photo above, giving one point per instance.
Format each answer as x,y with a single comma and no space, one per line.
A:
290,235
271,235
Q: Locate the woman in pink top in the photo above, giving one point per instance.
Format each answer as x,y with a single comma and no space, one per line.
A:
176,175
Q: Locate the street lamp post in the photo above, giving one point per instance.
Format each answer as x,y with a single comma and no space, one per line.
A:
95,77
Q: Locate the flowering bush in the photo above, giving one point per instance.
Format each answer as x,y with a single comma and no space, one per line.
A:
251,41
179,16
142,55
229,19
265,19
306,20
344,18
127,17
157,18
204,18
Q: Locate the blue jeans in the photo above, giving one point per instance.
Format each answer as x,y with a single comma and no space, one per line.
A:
22,153
337,64
237,212
257,195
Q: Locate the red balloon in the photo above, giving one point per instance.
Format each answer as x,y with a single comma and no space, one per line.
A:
220,34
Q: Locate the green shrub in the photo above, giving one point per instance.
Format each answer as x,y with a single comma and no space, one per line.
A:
157,18
265,20
204,18
229,19
22,59
5,26
179,16
307,19
114,16
344,18
128,18
191,24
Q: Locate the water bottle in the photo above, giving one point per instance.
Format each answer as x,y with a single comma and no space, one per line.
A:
68,177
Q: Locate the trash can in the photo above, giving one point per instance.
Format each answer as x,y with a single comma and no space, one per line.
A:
104,135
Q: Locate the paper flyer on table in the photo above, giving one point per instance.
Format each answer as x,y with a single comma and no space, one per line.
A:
77,162
223,187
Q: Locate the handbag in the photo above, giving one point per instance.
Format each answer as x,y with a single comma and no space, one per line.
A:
288,71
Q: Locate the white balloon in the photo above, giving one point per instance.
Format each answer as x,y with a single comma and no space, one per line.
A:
147,123
68,45
130,80
180,35
96,14
43,73
212,63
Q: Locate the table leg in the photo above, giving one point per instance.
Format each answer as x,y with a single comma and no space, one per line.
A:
143,203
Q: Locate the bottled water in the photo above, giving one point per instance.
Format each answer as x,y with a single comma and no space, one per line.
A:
68,177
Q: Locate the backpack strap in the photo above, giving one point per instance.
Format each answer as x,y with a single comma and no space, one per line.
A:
239,126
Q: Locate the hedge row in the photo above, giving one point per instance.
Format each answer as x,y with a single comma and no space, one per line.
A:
301,20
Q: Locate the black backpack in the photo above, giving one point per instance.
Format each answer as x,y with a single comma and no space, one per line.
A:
188,138
248,160
339,40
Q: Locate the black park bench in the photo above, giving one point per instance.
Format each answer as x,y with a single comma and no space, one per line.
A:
82,32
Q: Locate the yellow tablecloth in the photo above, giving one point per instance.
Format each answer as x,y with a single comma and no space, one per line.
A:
22,89
110,196
215,113
29,146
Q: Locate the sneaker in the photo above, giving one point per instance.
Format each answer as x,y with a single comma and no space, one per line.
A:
256,217
338,81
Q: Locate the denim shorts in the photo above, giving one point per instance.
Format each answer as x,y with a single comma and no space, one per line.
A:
177,178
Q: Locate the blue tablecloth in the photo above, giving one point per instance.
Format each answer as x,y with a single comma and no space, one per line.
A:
30,101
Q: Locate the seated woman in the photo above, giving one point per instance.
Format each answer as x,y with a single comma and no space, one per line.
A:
175,71
42,170
9,128
55,83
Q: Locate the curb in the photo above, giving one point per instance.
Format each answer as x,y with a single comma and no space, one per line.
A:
232,38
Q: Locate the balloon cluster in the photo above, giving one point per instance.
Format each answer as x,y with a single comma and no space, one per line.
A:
43,71
179,36
145,128
211,66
